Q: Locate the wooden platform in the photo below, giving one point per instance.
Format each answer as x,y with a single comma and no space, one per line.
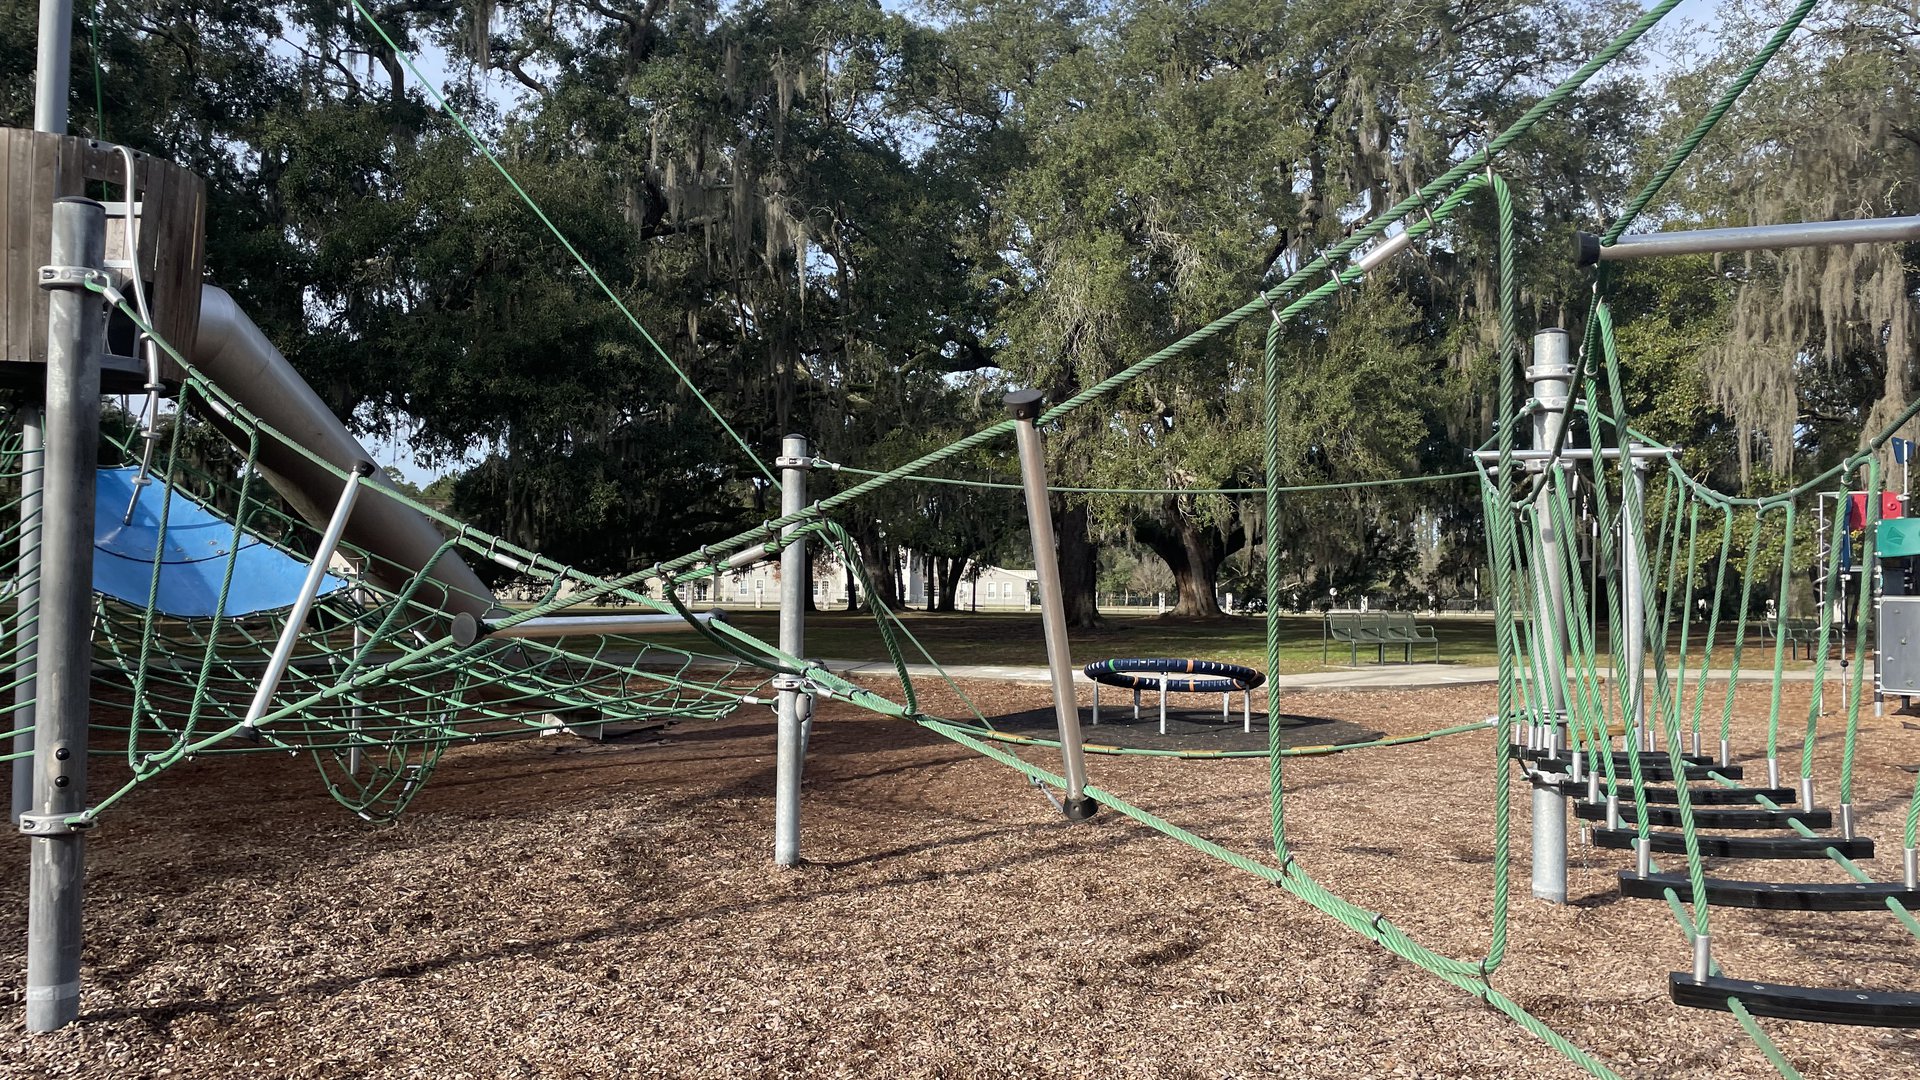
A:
35,169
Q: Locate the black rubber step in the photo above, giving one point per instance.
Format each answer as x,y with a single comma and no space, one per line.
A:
1694,772
1741,847
1712,817
1620,758
1772,895
1703,795
1863,1008
1718,796
1647,772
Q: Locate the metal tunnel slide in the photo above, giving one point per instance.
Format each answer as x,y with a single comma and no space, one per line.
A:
233,352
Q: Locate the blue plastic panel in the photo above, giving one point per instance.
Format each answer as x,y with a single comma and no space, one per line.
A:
195,554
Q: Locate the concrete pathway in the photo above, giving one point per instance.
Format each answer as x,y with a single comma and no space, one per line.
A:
1388,677
1381,677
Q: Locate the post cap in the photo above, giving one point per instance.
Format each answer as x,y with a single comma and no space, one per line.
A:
465,629
1586,249
1025,404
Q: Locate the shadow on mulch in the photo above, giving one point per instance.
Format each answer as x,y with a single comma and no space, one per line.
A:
1187,729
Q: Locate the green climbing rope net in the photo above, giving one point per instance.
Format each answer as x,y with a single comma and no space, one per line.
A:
381,685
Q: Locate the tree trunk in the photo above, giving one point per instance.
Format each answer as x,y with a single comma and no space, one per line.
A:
877,556
1193,550
949,574
1079,565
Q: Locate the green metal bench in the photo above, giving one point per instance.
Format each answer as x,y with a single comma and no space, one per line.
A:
1354,629
1401,629
1798,633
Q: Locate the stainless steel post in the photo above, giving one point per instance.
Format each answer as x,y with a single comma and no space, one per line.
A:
303,604
1898,230
53,67
1551,377
76,334
1025,407
790,734
1633,511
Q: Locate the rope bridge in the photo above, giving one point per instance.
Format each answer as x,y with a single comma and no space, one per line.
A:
382,677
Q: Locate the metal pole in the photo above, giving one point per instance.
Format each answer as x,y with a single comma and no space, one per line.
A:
1749,238
790,747
553,627
1634,599
1025,407
1551,377
52,73
309,589
76,332
1576,453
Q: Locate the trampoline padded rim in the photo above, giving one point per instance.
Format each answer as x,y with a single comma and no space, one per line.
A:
1229,678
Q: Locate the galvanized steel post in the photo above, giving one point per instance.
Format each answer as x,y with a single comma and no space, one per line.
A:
1551,377
76,333
790,744
1633,591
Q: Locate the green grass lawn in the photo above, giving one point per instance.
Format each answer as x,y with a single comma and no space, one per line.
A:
1015,638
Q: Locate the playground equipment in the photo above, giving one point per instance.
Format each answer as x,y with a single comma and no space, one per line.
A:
409,656
1137,675
1567,700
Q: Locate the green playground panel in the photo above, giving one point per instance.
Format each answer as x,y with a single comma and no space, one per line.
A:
1898,537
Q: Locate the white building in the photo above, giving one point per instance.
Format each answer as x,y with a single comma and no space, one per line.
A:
991,588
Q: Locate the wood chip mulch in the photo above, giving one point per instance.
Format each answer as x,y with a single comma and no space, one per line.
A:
558,908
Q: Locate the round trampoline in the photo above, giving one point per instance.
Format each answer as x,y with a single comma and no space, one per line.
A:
1177,676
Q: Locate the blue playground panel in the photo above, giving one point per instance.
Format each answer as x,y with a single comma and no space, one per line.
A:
193,563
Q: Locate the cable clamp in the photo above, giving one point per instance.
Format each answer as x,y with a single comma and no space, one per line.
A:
56,824
799,462
73,277
789,682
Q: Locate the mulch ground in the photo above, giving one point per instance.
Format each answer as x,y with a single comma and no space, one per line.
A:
557,908
1188,729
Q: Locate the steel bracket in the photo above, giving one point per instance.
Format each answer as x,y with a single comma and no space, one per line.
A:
72,277
55,824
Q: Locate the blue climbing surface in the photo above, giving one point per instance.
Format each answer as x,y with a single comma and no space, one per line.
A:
195,553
